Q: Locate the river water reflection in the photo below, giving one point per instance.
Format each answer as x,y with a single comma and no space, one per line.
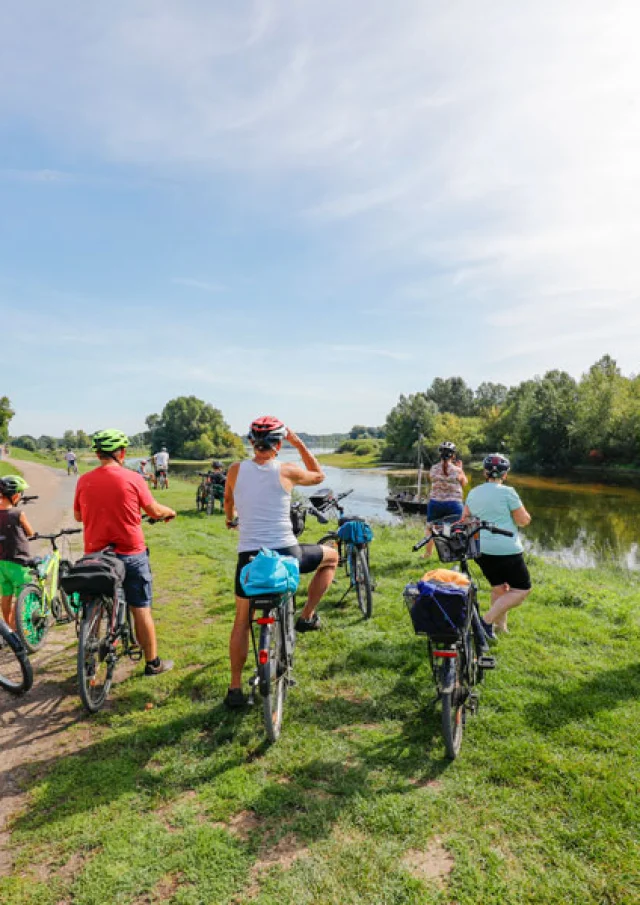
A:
573,522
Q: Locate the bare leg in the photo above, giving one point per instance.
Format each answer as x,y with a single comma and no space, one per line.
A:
145,631
496,593
9,611
320,581
504,603
239,641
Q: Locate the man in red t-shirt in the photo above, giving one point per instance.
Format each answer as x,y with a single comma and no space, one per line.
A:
108,502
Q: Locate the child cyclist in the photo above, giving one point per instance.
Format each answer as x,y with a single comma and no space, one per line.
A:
14,548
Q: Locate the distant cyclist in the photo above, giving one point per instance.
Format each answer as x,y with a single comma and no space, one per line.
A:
161,466
259,492
108,502
501,558
71,460
14,547
447,479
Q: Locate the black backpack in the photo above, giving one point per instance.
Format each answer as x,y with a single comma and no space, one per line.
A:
94,575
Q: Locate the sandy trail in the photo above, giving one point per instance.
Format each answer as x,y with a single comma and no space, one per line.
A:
33,728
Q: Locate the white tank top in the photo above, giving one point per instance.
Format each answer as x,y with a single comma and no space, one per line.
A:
263,507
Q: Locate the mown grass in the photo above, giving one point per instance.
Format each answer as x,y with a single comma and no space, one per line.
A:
7,468
184,803
350,460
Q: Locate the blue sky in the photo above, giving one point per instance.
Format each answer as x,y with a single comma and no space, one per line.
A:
310,208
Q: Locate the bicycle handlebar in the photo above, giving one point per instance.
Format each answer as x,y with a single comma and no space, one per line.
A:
483,526
29,499
38,536
317,514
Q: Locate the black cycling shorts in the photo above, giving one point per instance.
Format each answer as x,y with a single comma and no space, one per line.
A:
308,555
511,569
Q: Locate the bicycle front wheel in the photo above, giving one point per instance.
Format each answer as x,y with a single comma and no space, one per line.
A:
362,580
96,655
209,504
16,674
272,679
452,710
32,619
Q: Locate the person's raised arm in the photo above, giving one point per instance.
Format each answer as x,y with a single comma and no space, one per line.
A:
308,476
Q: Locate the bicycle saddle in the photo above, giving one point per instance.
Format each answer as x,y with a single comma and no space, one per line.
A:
267,601
35,562
350,518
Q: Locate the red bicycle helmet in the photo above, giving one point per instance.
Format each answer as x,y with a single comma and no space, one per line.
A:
266,432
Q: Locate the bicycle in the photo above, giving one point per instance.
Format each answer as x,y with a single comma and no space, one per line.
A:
351,540
162,479
273,654
208,492
43,597
105,627
448,615
72,468
16,673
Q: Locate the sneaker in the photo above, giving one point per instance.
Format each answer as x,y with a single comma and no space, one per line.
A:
308,625
235,699
157,666
488,630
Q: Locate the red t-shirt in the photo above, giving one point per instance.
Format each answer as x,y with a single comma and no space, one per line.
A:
109,500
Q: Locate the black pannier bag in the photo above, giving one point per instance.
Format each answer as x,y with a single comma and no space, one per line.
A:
437,609
322,498
298,520
94,575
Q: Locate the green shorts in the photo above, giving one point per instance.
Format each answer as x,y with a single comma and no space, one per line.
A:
13,577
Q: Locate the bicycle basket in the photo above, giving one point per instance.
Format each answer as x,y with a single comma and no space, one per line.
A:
457,544
94,575
438,610
355,530
323,498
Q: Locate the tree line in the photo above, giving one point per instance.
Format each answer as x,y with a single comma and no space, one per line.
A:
548,422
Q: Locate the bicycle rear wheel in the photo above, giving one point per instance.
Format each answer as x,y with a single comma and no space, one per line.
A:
16,674
209,503
272,679
362,580
70,602
96,655
452,709
32,619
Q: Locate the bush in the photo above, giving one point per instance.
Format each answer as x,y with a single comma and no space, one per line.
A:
359,447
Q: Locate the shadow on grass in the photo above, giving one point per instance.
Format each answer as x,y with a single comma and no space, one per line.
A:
603,692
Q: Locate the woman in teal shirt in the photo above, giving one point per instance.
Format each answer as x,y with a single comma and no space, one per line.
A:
501,558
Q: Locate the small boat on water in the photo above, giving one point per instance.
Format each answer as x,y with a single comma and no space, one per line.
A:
410,500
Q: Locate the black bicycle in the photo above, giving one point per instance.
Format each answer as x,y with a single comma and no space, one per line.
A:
272,617
351,540
208,492
16,673
447,613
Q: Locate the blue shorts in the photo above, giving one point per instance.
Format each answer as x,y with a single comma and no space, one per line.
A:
438,509
138,583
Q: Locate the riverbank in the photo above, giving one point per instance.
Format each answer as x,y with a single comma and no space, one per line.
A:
170,798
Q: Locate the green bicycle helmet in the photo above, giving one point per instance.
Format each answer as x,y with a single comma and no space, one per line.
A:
11,484
109,441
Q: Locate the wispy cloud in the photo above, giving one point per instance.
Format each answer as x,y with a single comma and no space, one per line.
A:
204,285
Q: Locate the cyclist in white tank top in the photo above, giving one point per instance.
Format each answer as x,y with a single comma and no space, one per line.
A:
258,492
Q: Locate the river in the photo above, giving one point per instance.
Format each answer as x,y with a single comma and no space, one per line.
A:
574,522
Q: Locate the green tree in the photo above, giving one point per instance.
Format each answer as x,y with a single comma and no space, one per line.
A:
26,441
490,395
546,423
185,421
451,394
69,439
408,419
47,442
83,441
6,414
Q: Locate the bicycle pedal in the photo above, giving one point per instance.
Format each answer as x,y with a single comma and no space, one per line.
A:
487,662
135,653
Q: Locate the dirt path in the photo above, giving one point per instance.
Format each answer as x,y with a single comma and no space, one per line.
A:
33,728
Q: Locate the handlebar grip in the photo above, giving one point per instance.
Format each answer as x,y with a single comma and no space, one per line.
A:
500,531
420,544
316,512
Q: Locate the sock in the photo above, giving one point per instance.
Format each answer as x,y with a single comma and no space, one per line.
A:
155,662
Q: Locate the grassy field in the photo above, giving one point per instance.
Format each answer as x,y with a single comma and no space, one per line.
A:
6,468
184,803
350,460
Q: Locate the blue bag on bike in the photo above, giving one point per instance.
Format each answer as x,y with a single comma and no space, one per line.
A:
355,531
437,609
270,573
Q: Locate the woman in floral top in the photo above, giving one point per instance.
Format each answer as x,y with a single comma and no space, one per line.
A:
447,480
